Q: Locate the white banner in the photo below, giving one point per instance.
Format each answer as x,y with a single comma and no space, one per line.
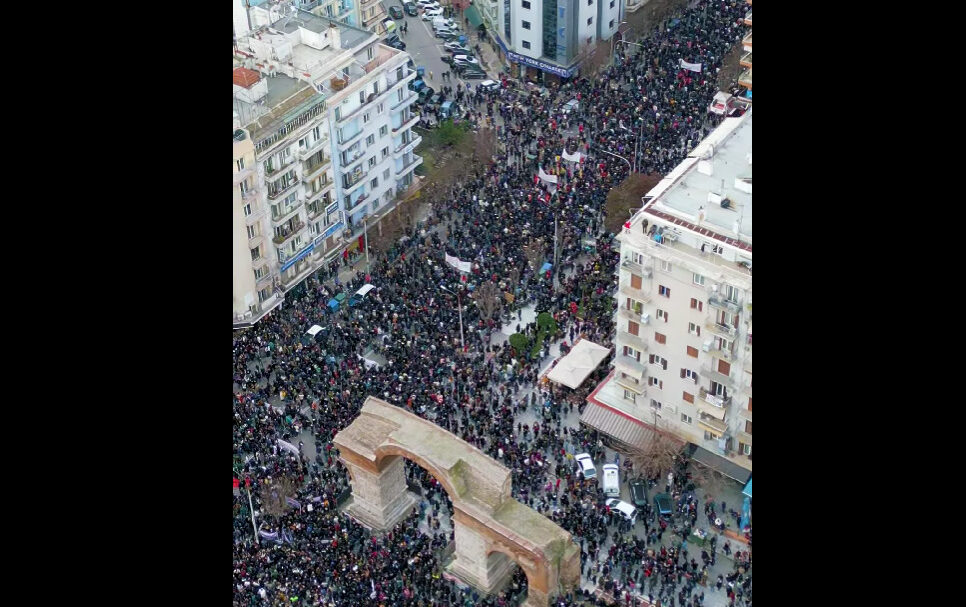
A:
575,157
462,266
546,177
694,67
288,446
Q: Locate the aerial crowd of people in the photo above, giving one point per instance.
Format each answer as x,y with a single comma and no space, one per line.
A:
545,192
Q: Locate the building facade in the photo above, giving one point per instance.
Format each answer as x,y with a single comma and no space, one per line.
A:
744,78
550,37
683,361
296,81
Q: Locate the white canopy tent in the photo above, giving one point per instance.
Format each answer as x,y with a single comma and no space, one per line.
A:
574,368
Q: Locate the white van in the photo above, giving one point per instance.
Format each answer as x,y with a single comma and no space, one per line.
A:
624,509
612,484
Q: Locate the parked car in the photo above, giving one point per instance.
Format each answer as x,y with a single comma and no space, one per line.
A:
428,14
473,75
416,84
395,12
489,85
444,31
410,8
395,42
425,93
586,464
612,480
457,59
427,3
570,106
447,36
456,48
624,509
662,501
639,492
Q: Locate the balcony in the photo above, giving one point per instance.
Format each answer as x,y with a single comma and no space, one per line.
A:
346,143
283,190
714,425
416,161
745,60
748,19
376,15
408,98
628,339
628,384
410,122
631,315
629,366
351,185
313,170
406,146
273,173
721,302
242,175
720,329
636,294
744,79
730,271
315,147
286,212
712,372
746,42
255,241
286,234
633,266
258,212
318,194
258,263
350,163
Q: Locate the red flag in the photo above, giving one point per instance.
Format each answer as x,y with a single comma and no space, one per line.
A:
236,483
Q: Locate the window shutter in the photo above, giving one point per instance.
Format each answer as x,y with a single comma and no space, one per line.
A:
650,359
749,403
700,306
625,350
635,281
682,373
665,316
748,427
724,368
699,331
664,364
632,327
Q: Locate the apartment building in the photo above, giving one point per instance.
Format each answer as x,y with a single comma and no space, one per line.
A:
541,38
632,6
683,361
297,80
744,78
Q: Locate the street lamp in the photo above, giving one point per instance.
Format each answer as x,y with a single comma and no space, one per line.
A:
614,39
629,168
459,302
637,142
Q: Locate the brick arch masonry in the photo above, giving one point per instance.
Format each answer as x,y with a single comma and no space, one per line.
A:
486,518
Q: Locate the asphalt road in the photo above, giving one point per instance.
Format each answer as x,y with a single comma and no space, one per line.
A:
426,49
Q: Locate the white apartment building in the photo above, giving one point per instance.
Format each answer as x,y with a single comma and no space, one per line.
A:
540,37
297,80
683,360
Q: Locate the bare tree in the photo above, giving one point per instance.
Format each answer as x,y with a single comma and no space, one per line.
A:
274,496
485,145
535,253
659,455
488,300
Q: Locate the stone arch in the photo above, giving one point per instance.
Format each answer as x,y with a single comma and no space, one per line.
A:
486,518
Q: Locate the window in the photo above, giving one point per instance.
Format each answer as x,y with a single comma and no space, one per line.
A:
698,279
251,232
686,418
731,293
747,427
657,360
591,20
612,6
248,209
662,290
362,93
710,435
665,266
660,338
381,108
662,315
632,327
689,397
697,305
629,351
260,273
383,131
369,50
385,152
722,344
694,329
628,395
692,352
635,281
372,162
526,44
525,4
746,449
240,164
255,254
374,183
365,118
526,25
611,21
689,374
655,404
637,258
653,381
371,139
749,403
385,174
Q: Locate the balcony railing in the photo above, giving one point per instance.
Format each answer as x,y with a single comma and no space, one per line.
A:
315,147
257,213
351,185
286,234
272,173
349,163
283,190
348,141
286,212
715,327
721,378
636,294
716,401
411,144
412,164
312,171
409,122
719,301
406,99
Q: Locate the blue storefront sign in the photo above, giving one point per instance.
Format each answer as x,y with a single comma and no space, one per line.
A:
291,262
540,65
329,231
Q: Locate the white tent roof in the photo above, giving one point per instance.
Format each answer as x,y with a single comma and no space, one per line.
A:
574,368
313,330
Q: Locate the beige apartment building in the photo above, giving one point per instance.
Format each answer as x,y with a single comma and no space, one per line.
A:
683,361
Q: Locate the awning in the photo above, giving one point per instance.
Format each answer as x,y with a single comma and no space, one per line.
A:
613,424
473,14
747,489
573,369
713,425
716,462
743,437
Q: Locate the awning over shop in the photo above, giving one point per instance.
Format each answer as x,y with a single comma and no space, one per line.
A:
473,14
747,489
573,369
716,462
611,423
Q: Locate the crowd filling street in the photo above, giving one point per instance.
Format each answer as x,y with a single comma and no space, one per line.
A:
304,389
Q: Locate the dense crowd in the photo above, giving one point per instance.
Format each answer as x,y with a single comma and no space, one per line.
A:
286,383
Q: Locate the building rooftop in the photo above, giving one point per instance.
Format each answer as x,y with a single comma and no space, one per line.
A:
351,36
287,97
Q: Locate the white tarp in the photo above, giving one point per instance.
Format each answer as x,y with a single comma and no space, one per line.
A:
365,289
313,330
462,266
288,446
573,369
575,157
694,67
547,178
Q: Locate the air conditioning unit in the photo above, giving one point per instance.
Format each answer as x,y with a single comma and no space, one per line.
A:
645,317
706,346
